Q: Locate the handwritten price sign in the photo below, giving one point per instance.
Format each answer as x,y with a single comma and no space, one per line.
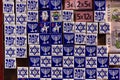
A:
69,4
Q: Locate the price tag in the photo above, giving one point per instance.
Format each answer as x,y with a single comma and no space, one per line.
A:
84,16
69,4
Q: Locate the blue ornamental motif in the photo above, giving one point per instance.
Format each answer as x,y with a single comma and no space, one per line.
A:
9,30
68,27
21,41
10,52
10,63
10,41
105,28
80,38
33,39
91,39
20,30
99,16
32,16
80,27
21,8
32,5
21,52
67,15
92,28
8,8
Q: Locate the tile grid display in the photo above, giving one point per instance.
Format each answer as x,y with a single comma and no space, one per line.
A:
62,44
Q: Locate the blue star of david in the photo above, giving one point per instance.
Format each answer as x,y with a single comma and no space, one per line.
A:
68,61
34,50
79,50
34,72
9,19
80,27
21,51
46,61
102,51
102,73
91,62
104,28
22,72
10,52
21,19
57,72
57,50
114,59
92,28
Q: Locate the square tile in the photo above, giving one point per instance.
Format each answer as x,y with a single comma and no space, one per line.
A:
33,38
44,15
100,5
45,72
102,62
21,19
10,40
21,8
57,73
32,5
91,73
45,50
113,74
57,50
102,73
10,63
104,28
44,4
56,27
9,29
102,50
79,73
91,62
68,38
34,61
56,4
21,40
69,4
10,52
68,27
34,72
45,27
32,16
91,51
45,39
68,50
91,39
68,73
79,50
80,27
9,19
79,62
68,61
56,38
99,16
34,50
22,72
57,61
114,59
20,30
45,61
21,52
32,27
92,27
80,38
8,7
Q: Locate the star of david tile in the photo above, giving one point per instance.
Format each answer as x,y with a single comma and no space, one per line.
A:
9,29
80,38
10,40
57,50
10,52
57,61
104,28
32,27
56,4
45,61
34,72
79,62
91,51
22,72
91,39
45,50
45,27
32,16
21,19
34,61
68,73
80,27
44,39
102,51
34,50
68,61
68,38
21,52
114,59
92,27
99,16
45,72
33,38
79,50
102,73
91,73
32,5
68,50
10,63
91,62
79,73
102,62
68,27
8,7
56,38
100,5
56,72
56,27
21,30
113,74
9,19
20,8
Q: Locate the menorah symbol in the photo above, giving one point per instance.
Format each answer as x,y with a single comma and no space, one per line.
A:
32,27
45,28
68,37
56,38
34,61
79,61
99,4
91,72
45,71
68,50
57,61
44,2
91,50
45,49
56,28
55,3
113,73
102,61
44,38
68,72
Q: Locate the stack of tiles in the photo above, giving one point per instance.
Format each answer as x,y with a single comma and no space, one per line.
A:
62,42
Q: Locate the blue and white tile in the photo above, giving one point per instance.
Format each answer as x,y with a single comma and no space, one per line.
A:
57,61
21,8
68,73
33,38
79,50
45,61
45,39
24,79
113,74
57,50
34,61
92,27
91,39
22,72
10,52
9,29
68,50
34,72
32,5
114,59
102,62
8,7
21,52
57,72
21,0
102,73
91,62
44,4
56,4
102,50
56,38
80,38
99,16
104,28
10,63
69,38
56,27
21,19
68,61
10,40
91,51
79,62
45,27
79,73
80,27
56,16
45,73
68,27
91,73
32,16
9,19
34,50
7,0
45,50
21,40
100,5
32,27
44,16
68,15
21,30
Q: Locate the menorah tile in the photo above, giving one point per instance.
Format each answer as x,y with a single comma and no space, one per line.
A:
69,4
10,40
68,27
91,73
102,50
10,63
68,61
32,27
68,38
68,73
99,16
44,27
34,72
45,61
91,51
79,73
91,39
34,50
33,38
102,73
32,5
44,15
56,27
8,7
80,38
34,61
57,72
21,19
79,62
102,62
57,61
100,5
57,50
10,52
32,16
104,28
22,72
68,50
45,50
44,4
9,19
56,16
21,8
21,52
113,74
56,4
56,38
9,29
45,72
114,59
91,62
79,50
20,30
21,40
68,15
80,27
92,27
